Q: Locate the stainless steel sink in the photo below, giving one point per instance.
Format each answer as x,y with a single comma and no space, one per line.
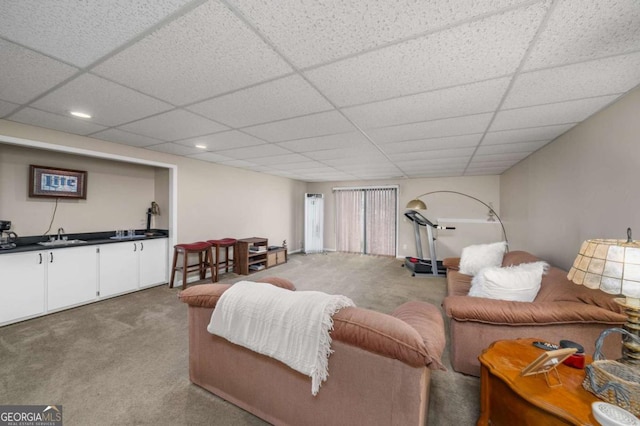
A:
58,243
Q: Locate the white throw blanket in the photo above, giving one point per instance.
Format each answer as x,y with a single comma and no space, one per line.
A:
290,326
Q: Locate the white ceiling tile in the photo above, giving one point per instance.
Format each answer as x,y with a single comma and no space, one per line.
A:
174,125
433,154
245,165
526,135
454,102
217,53
580,30
527,147
486,171
120,136
108,103
503,157
174,148
6,107
306,166
575,81
313,32
430,144
324,123
209,156
432,129
223,140
342,140
353,154
257,151
275,160
90,30
544,115
47,120
433,164
27,74
287,97
492,47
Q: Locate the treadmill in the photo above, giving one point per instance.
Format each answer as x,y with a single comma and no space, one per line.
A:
418,265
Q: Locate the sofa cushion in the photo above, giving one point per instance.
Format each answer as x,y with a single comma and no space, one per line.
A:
520,282
390,336
207,295
479,256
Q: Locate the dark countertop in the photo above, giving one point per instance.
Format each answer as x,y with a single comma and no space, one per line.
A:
25,244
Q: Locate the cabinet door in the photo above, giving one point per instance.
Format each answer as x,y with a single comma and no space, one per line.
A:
153,262
21,286
118,268
71,276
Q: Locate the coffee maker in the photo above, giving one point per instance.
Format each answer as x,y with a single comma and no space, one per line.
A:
8,238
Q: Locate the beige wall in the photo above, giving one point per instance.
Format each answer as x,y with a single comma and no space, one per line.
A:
213,201
583,185
440,206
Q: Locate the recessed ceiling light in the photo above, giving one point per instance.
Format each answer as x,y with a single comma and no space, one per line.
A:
201,146
79,114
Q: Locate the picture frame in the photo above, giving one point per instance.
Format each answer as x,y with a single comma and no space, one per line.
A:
54,182
547,361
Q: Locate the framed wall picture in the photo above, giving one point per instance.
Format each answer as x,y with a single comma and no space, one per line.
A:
57,183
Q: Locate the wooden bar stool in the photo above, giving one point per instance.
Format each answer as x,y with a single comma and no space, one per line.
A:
225,244
205,260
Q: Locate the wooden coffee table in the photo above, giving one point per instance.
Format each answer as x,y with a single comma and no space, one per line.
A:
510,399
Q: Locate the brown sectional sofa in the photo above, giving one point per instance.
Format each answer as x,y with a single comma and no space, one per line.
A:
561,310
379,372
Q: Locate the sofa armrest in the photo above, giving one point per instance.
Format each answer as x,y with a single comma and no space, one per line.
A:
207,295
451,263
503,312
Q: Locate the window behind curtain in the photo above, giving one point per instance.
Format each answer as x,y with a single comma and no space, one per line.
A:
366,220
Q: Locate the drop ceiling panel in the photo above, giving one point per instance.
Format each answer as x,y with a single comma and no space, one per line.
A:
433,163
506,157
433,154
7,107
526,135
527,147
492,47
57,122
173,125
210,156
352,154
27,74
174,148
127,138
485,171
454,102
216,53
244,164
284,98
581,30
253,152
91,29
430,144
277,160
342,140
108,103
305,167
575,81
223,140
324,123
544,115
432,129
313,32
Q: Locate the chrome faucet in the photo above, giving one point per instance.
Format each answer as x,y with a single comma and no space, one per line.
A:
60,231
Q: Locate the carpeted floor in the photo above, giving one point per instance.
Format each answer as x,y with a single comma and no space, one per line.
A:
124,360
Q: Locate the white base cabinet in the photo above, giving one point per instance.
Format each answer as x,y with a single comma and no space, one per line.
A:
35,283
22,287
71,277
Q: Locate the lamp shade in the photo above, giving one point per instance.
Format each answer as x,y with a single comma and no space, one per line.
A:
416,204
612,266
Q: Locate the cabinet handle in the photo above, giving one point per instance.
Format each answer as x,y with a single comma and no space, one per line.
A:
135,247
50,257
141,246
40,256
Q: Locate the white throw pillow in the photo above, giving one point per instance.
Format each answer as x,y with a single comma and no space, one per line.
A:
474,258
519,283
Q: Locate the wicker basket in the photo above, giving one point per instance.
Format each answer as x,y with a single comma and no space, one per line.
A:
612,381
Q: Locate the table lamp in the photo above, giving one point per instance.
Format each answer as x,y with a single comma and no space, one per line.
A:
613,266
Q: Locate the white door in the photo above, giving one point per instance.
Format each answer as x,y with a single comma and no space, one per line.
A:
118,268
71,276
313,223
153,262
21,286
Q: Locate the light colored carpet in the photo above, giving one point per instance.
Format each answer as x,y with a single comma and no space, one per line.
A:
124,360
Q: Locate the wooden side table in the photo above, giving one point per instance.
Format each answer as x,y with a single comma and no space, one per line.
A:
510,399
